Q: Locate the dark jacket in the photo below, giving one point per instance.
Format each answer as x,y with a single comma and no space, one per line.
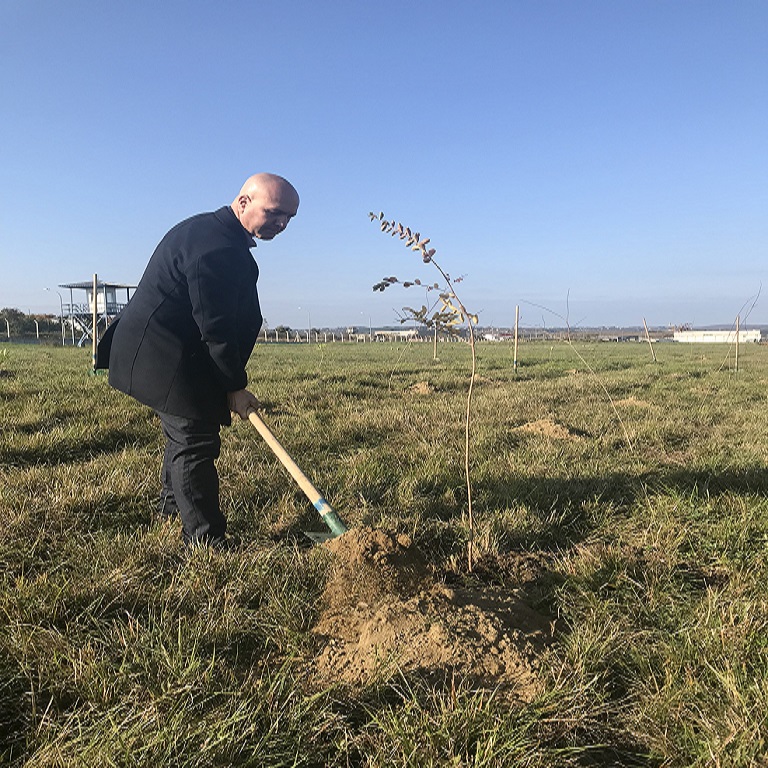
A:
184,338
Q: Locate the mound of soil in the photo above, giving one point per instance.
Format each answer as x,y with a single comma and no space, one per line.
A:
384,611
633,401
548,428
422,388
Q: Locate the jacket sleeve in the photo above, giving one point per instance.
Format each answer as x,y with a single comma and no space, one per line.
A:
213,282
105,346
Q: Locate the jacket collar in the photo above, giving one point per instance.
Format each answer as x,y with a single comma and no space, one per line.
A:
227,217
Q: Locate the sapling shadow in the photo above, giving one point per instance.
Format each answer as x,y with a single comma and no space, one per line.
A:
449,317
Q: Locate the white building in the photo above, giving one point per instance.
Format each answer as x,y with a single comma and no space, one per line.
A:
388,335
717,337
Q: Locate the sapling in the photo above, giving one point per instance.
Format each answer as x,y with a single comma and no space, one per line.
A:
449,317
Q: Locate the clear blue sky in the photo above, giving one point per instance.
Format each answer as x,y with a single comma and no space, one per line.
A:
607,159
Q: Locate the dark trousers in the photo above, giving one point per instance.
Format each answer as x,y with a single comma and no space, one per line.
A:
189,477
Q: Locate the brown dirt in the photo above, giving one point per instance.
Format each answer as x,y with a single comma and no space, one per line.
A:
384,612
422,388
548,428
633,401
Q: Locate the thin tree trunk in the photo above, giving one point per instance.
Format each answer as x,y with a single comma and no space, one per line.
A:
470,519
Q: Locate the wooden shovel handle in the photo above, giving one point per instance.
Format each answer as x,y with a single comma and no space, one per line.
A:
293,468
327,512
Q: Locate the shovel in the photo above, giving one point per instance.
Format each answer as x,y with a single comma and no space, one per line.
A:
327,513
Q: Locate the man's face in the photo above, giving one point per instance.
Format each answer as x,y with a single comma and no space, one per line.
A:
268,210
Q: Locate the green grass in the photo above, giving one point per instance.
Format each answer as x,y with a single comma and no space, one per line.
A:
649,522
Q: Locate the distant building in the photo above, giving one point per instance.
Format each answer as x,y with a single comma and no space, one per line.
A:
717,337
385,334
357,333
622,337
79,314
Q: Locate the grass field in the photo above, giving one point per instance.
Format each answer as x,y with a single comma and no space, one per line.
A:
624,498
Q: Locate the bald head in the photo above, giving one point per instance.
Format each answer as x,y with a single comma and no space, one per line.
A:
265,205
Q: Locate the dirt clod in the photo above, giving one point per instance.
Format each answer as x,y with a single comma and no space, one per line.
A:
633,401
384,611
548,428
422,388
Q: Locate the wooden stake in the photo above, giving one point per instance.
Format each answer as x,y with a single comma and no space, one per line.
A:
517,322
95,317
736,366
648,339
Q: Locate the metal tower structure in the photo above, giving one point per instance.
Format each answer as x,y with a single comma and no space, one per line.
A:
80,314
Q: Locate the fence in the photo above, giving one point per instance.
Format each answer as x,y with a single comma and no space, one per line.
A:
326,337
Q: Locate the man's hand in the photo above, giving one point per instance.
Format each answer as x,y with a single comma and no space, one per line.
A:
241,401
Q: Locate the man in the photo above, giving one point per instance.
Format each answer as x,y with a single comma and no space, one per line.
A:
181,344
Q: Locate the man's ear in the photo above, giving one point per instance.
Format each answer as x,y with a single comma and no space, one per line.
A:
242,201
